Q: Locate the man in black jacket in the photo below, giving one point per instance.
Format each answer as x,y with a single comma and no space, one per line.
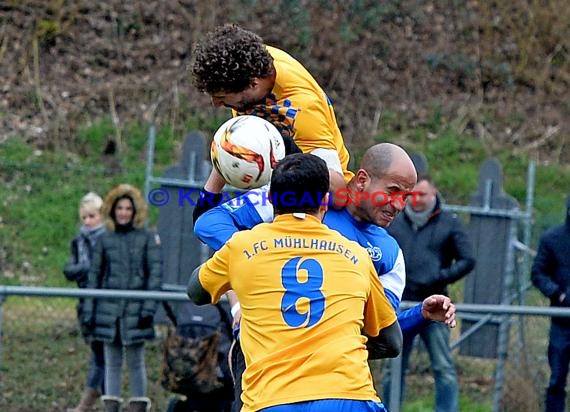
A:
551,275
437,252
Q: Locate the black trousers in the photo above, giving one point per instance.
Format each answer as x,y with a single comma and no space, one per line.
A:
237,362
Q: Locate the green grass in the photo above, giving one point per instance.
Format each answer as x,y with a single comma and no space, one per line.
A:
44,359
454,160
41,191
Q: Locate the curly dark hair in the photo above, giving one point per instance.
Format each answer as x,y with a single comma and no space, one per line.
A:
228,59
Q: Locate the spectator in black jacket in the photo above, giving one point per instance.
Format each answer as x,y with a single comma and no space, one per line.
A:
437,252
551,275
76,269
127,257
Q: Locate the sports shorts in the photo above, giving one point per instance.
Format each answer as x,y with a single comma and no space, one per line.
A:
329,405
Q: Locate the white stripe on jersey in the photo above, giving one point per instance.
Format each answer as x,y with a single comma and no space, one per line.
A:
395,279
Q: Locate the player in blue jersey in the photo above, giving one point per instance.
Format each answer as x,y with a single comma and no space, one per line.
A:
385,169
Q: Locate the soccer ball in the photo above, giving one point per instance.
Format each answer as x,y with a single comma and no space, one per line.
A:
245,150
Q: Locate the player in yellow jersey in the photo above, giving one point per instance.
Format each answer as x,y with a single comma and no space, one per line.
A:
239,71
311,302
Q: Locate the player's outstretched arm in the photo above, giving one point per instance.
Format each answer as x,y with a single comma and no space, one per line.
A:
439,308
388,343
217,225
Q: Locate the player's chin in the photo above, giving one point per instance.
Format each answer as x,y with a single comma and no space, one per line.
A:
384,219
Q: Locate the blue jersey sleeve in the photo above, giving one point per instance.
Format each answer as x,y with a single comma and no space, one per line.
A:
217,225
411,321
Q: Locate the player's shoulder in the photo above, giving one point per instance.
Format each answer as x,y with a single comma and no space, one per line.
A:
386,238
278,53
386,243
356,248
338,219
380,233
249,235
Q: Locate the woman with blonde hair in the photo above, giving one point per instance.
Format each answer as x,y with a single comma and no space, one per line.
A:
76,269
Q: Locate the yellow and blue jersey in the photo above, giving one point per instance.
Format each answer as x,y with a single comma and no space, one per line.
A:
306,294
299,108
218,225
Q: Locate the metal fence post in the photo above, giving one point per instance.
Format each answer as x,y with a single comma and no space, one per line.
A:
527,234
504,326
395,383
2,299
149,160
149,165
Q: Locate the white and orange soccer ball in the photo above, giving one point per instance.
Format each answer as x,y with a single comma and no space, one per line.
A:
245,150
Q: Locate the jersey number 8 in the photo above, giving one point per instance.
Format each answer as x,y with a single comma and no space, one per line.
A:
308,290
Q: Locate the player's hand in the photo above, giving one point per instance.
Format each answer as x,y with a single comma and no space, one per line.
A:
215,182
439,308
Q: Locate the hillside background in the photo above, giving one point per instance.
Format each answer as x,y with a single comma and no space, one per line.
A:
499,70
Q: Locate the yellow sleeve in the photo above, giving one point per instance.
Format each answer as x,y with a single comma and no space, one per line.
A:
313,129
214,274
378,312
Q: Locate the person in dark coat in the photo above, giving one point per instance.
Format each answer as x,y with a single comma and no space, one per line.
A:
437,252
551,275
127,257
76,270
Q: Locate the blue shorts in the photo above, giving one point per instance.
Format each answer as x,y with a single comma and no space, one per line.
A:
329,405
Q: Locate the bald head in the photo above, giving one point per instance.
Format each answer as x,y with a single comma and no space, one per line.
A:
379,159
386,171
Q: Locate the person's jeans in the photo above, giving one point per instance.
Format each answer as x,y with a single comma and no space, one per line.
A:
436,339
135,367
96,371
558,360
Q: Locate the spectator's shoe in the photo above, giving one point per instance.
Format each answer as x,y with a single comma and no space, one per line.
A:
141,404
112,403
87,401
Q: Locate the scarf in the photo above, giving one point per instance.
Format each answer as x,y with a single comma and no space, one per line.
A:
92,233
420,219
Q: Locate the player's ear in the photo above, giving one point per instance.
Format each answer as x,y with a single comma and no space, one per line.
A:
362,179
255,83
326,200
324,206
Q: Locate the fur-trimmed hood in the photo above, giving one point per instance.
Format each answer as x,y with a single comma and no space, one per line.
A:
138,203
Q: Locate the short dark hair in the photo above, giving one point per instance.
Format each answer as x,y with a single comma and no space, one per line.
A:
299,183
228,59
427,178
